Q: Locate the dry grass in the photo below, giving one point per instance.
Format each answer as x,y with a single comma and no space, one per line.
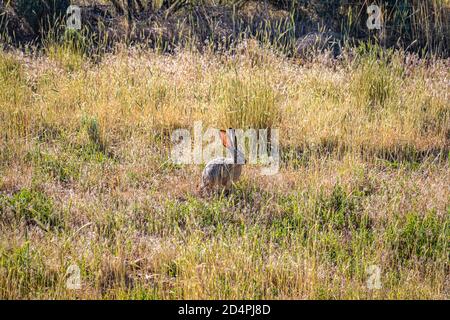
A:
85,177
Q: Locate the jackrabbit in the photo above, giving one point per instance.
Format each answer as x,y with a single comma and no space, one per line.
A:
222,172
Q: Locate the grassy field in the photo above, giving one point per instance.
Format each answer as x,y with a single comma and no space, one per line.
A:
86,180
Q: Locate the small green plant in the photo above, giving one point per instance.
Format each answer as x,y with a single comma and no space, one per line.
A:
340,211
33,206
416,236
61,167
95,139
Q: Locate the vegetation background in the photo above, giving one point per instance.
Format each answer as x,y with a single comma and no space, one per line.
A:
86,183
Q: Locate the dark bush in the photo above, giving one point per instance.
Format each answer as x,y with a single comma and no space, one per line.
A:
40,14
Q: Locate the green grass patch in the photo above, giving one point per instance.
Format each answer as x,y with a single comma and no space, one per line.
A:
33,207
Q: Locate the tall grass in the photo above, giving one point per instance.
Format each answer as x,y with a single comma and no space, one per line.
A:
85,177
247,103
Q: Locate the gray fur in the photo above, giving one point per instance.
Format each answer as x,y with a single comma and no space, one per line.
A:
222,172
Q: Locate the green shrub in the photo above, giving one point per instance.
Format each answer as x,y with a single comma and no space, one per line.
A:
341,211
95,144
61,167
416,236
33,206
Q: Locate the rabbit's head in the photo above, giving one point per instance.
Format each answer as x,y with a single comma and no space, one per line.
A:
229,141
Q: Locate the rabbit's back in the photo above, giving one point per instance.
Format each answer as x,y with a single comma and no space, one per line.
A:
221,171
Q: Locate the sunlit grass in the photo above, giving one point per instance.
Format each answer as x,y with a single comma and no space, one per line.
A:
85,177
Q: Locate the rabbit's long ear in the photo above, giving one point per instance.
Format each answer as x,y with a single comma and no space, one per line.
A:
225,139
